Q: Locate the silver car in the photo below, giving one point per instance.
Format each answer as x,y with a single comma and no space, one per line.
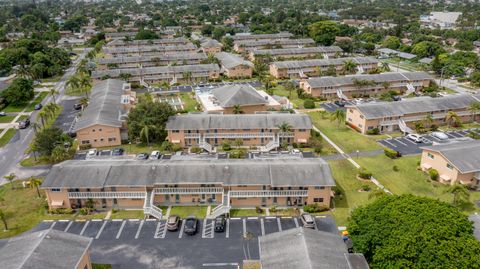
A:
440,135
307,220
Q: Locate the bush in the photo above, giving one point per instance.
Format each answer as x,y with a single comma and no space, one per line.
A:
390,153
273,209
314,208
238,153
374,131
318,149
60,211
395,168
195,150
258,210
309,104
366,188
226,146
84,211
433,174
85,146
364,174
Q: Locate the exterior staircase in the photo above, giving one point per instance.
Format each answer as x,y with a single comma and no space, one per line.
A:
206,146
149,209
360,70
221,209
410,89
273,144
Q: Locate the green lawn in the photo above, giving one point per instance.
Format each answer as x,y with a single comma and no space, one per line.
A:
237,212
289,212
462,127
36,101
185,211
346,138
6,119
7,137
127,214
30,161
344,174
189,102
101,266
13,108
293,97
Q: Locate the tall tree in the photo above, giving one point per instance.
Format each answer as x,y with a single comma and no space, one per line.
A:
10,178
35,183
338,115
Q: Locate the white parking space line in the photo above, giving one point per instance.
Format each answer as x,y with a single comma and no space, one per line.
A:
68,226
181,229
84,227
399,141
101,230
386,141
161,230
262,226
244,227
53,224
227,231
450,135
121,229
207,229
139,229
456,135
296,222
279,225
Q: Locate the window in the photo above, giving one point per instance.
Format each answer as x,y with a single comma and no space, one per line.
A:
93,130
449,166
100,129
101,139
176,131
84,142
318,200
55,190
430,155
319,187
112,139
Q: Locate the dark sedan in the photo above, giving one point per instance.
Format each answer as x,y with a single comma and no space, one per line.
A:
191,224
220,224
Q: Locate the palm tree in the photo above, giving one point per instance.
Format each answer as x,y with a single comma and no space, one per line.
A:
10,178
145,132
285,127
385,66
474,108
187,76
451,117
237,109
35,182
289,86
3,217
52,93
43,115
23,72
338,115
460,194
73,83
35,127
85,84
349,67
428,120
362,83
84,102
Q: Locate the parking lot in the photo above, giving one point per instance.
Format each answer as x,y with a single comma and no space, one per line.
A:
408,147
332,107
147,244
66,118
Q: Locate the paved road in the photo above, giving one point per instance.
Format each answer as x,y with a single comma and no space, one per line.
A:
12,153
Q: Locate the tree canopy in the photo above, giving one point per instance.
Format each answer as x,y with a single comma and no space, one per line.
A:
19,92
324,32
414,232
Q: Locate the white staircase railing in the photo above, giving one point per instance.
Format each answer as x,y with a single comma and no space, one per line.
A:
410,89
223,208
206,146
149,208
273,144
360,70
106,195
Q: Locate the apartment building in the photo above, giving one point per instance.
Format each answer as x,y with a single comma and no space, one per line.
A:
299,53
119,35
231,99
150,61
387,116
234,66
362,85
282,35
265,131
133,43
456,162
211,46
283,43
170,74
226,183
47,249
307,68
440,20
103,122
152,50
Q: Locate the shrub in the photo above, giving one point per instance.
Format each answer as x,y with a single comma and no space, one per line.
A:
238,153
337,190
364,174
258,210
273,209
433,174
390,153
226,146
60,211
395,168
366,187
314,208
195,150
309,104
85,146
84,211
318,149
374,131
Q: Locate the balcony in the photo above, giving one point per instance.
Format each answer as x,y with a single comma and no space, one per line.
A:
192,135
268,193
106,195
188,191
238,135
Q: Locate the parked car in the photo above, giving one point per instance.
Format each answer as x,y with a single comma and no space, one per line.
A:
3,114
440,135
77,106
415,138
340,103
396,98
24,124
38,106
142,156
220,224
92,152
173,222
117,151
307,220
191,224
155,155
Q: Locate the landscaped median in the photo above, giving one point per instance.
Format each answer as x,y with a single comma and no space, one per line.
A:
7,136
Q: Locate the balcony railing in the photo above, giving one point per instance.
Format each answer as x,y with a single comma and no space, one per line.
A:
239,135
434,116
192,135
106,195
269,193
187,191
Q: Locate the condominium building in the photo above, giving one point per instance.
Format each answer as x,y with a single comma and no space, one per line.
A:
48,248
170,74
211,46
226,183
151,50
239,98
282,35
362,85
306,68
234,66
304,53
132,43
103,122
119,35
266,131
456,162
283,43
149,61
391,116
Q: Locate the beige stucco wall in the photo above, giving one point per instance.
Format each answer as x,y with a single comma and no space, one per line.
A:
99,135
240,71
439,163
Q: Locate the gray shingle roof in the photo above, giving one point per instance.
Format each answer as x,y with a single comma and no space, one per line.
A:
50,249
273,42
229,60
231,95
235,122
307,249
108,173
151,58
290,51
465,156
121,42
323,62
152,48
261,36
177,69
317,82
209,43
415,105
105,105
